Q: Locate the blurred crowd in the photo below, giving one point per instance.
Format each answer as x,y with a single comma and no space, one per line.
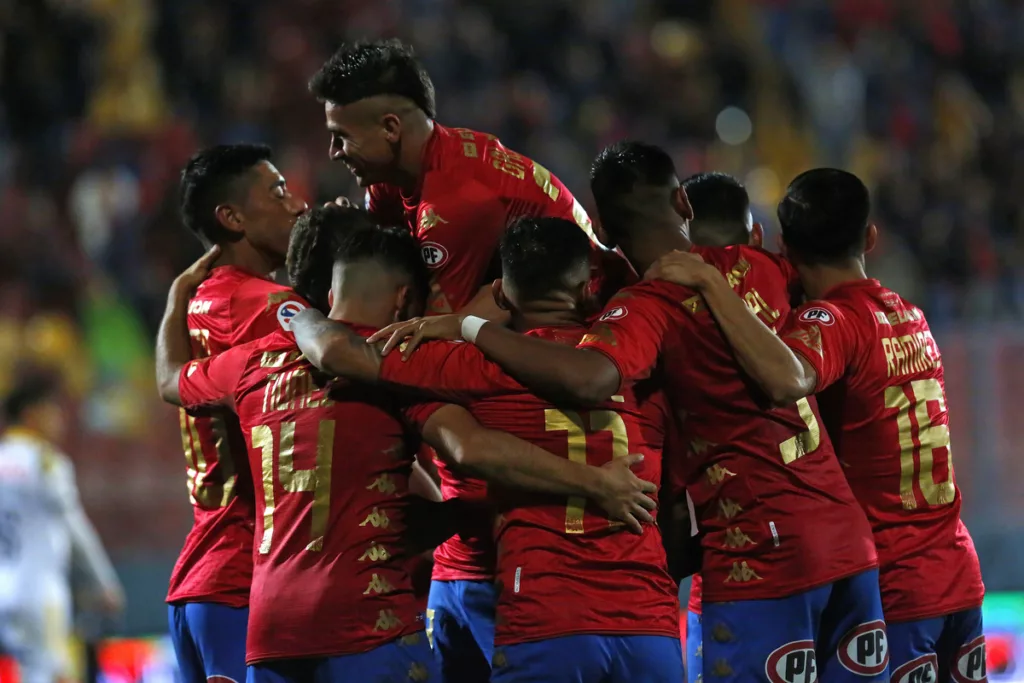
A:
104,100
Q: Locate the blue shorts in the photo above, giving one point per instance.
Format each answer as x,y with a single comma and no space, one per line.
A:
460,625
939,649
405,660
833,633
209,640
694,650
591,659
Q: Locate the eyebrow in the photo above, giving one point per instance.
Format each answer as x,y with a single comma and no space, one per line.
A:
280,182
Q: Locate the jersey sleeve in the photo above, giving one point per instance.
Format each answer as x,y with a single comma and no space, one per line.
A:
631,331
822,335
259,308
453,371
212,381
384,203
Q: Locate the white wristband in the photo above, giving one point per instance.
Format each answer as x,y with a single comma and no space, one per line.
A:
471,325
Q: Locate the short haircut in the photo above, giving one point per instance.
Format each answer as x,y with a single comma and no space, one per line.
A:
824,215
617,172
538,254
335,234
211,177
720,207
29,390
366,69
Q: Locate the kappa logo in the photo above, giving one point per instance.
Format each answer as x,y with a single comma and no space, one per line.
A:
792,663
924,669
822,316
617,313
434,255
287,311
970,662
865,649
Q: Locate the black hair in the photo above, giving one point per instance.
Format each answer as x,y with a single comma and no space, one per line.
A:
720,206
210,178
617,171
537,254
369,68
335,234
824,215
29,390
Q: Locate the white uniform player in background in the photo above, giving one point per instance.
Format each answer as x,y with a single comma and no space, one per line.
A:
43,530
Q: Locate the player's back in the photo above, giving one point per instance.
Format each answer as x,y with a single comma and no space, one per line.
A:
231,307
35,546
331,576
888,417
562,566
777,513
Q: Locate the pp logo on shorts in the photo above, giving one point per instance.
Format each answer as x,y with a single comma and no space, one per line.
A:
287,311
924,669
792,663
822,316
970,662
617,313
865,649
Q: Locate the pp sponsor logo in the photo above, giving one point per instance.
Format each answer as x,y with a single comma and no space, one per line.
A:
924,669
287,311
865,649
969,666
617,313
434,255
822,316
792,663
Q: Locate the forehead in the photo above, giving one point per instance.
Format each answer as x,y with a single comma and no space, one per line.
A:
347,115
260,179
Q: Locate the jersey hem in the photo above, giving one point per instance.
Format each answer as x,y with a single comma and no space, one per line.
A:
845,574
264,657
215,598
931,613
668,633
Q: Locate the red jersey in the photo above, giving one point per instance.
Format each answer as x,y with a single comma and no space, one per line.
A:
562,567
884,402
472,188
770,496
330,576
231,307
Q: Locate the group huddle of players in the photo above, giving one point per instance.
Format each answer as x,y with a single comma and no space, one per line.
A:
604,421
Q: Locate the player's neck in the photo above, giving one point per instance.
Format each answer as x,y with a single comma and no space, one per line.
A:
358,312
526,320
817,280
655,244
245,256
414,143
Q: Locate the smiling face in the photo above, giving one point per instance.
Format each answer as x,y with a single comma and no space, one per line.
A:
364,139
270,210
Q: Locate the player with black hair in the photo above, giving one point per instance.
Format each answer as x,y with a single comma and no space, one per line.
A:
721,211
872,357
558,615
457,190
231,196
788,578
43,531
332,594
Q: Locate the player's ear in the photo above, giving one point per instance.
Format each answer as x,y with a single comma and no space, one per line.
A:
230,218
871,238
404,300
392,125
681,203
330,299
601,234
756,235
498,292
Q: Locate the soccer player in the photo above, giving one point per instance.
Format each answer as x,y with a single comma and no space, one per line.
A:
457,190
790,584
332,593
43,528
579,598
721,217
870,355
234,197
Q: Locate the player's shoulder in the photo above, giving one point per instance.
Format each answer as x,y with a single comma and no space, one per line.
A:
742,257
646,297
872,302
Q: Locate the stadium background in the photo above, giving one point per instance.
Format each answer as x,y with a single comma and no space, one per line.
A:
104,100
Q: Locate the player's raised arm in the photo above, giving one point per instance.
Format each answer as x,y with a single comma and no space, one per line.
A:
784,375
334,348
173,349
499,457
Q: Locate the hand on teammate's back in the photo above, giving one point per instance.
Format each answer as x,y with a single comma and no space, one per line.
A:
194,275
682,268
447,327
626,497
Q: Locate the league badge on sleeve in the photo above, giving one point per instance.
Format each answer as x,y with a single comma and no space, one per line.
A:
617,313
822,316
287,311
